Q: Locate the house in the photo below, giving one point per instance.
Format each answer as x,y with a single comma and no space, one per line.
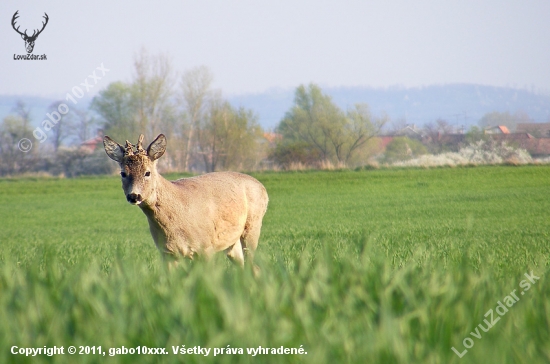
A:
539,130
410,131
383,141
90,145
537,147
499,129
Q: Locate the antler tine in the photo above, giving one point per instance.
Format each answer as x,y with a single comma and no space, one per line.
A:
139,147
43,24
13,19
129,148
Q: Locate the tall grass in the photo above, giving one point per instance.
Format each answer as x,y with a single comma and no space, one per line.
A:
371,266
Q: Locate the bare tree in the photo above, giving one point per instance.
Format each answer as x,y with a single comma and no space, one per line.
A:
396,126
195,96
24,112
58,124
435,134
152,90
82,125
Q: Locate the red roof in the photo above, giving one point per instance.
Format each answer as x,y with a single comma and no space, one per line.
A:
504,129
91,144
384,141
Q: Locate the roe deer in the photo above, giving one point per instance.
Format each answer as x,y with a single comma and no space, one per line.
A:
192,216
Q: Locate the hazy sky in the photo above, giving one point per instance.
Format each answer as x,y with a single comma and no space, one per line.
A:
252,46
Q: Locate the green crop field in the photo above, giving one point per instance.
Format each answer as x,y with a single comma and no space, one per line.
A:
374,266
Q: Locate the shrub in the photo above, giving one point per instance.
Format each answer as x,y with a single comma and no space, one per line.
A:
295,153
480,152
403,148
73,162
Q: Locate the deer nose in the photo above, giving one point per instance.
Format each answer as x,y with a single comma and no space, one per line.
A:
134,198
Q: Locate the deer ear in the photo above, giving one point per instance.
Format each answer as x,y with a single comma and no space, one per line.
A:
114,150
157,148
23,36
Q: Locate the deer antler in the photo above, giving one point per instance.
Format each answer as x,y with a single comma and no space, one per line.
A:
34,34
43,26
129,148
15,16
139,147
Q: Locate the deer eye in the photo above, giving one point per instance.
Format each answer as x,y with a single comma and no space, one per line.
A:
123,174
147,174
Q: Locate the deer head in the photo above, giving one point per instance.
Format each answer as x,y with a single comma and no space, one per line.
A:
138,167
29,40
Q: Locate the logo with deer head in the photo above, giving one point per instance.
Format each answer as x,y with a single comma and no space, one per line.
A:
29,40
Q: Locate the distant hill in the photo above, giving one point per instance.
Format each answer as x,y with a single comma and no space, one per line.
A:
38,106
459,104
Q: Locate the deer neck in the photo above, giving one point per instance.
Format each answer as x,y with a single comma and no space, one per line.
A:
161,196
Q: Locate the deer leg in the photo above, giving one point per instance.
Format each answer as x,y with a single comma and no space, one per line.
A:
250,240
172,265
235,253
170,260
250,243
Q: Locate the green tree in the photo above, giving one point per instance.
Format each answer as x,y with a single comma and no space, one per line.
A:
17,154
228,138
115,107
243,141
314,119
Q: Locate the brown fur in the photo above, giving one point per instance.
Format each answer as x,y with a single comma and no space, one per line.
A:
192,216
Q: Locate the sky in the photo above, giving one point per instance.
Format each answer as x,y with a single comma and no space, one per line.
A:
254,46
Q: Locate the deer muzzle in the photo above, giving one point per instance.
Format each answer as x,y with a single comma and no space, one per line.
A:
134,198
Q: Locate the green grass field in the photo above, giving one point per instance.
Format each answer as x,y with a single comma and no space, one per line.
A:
384,266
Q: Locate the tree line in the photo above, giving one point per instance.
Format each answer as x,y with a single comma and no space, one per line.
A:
204,131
